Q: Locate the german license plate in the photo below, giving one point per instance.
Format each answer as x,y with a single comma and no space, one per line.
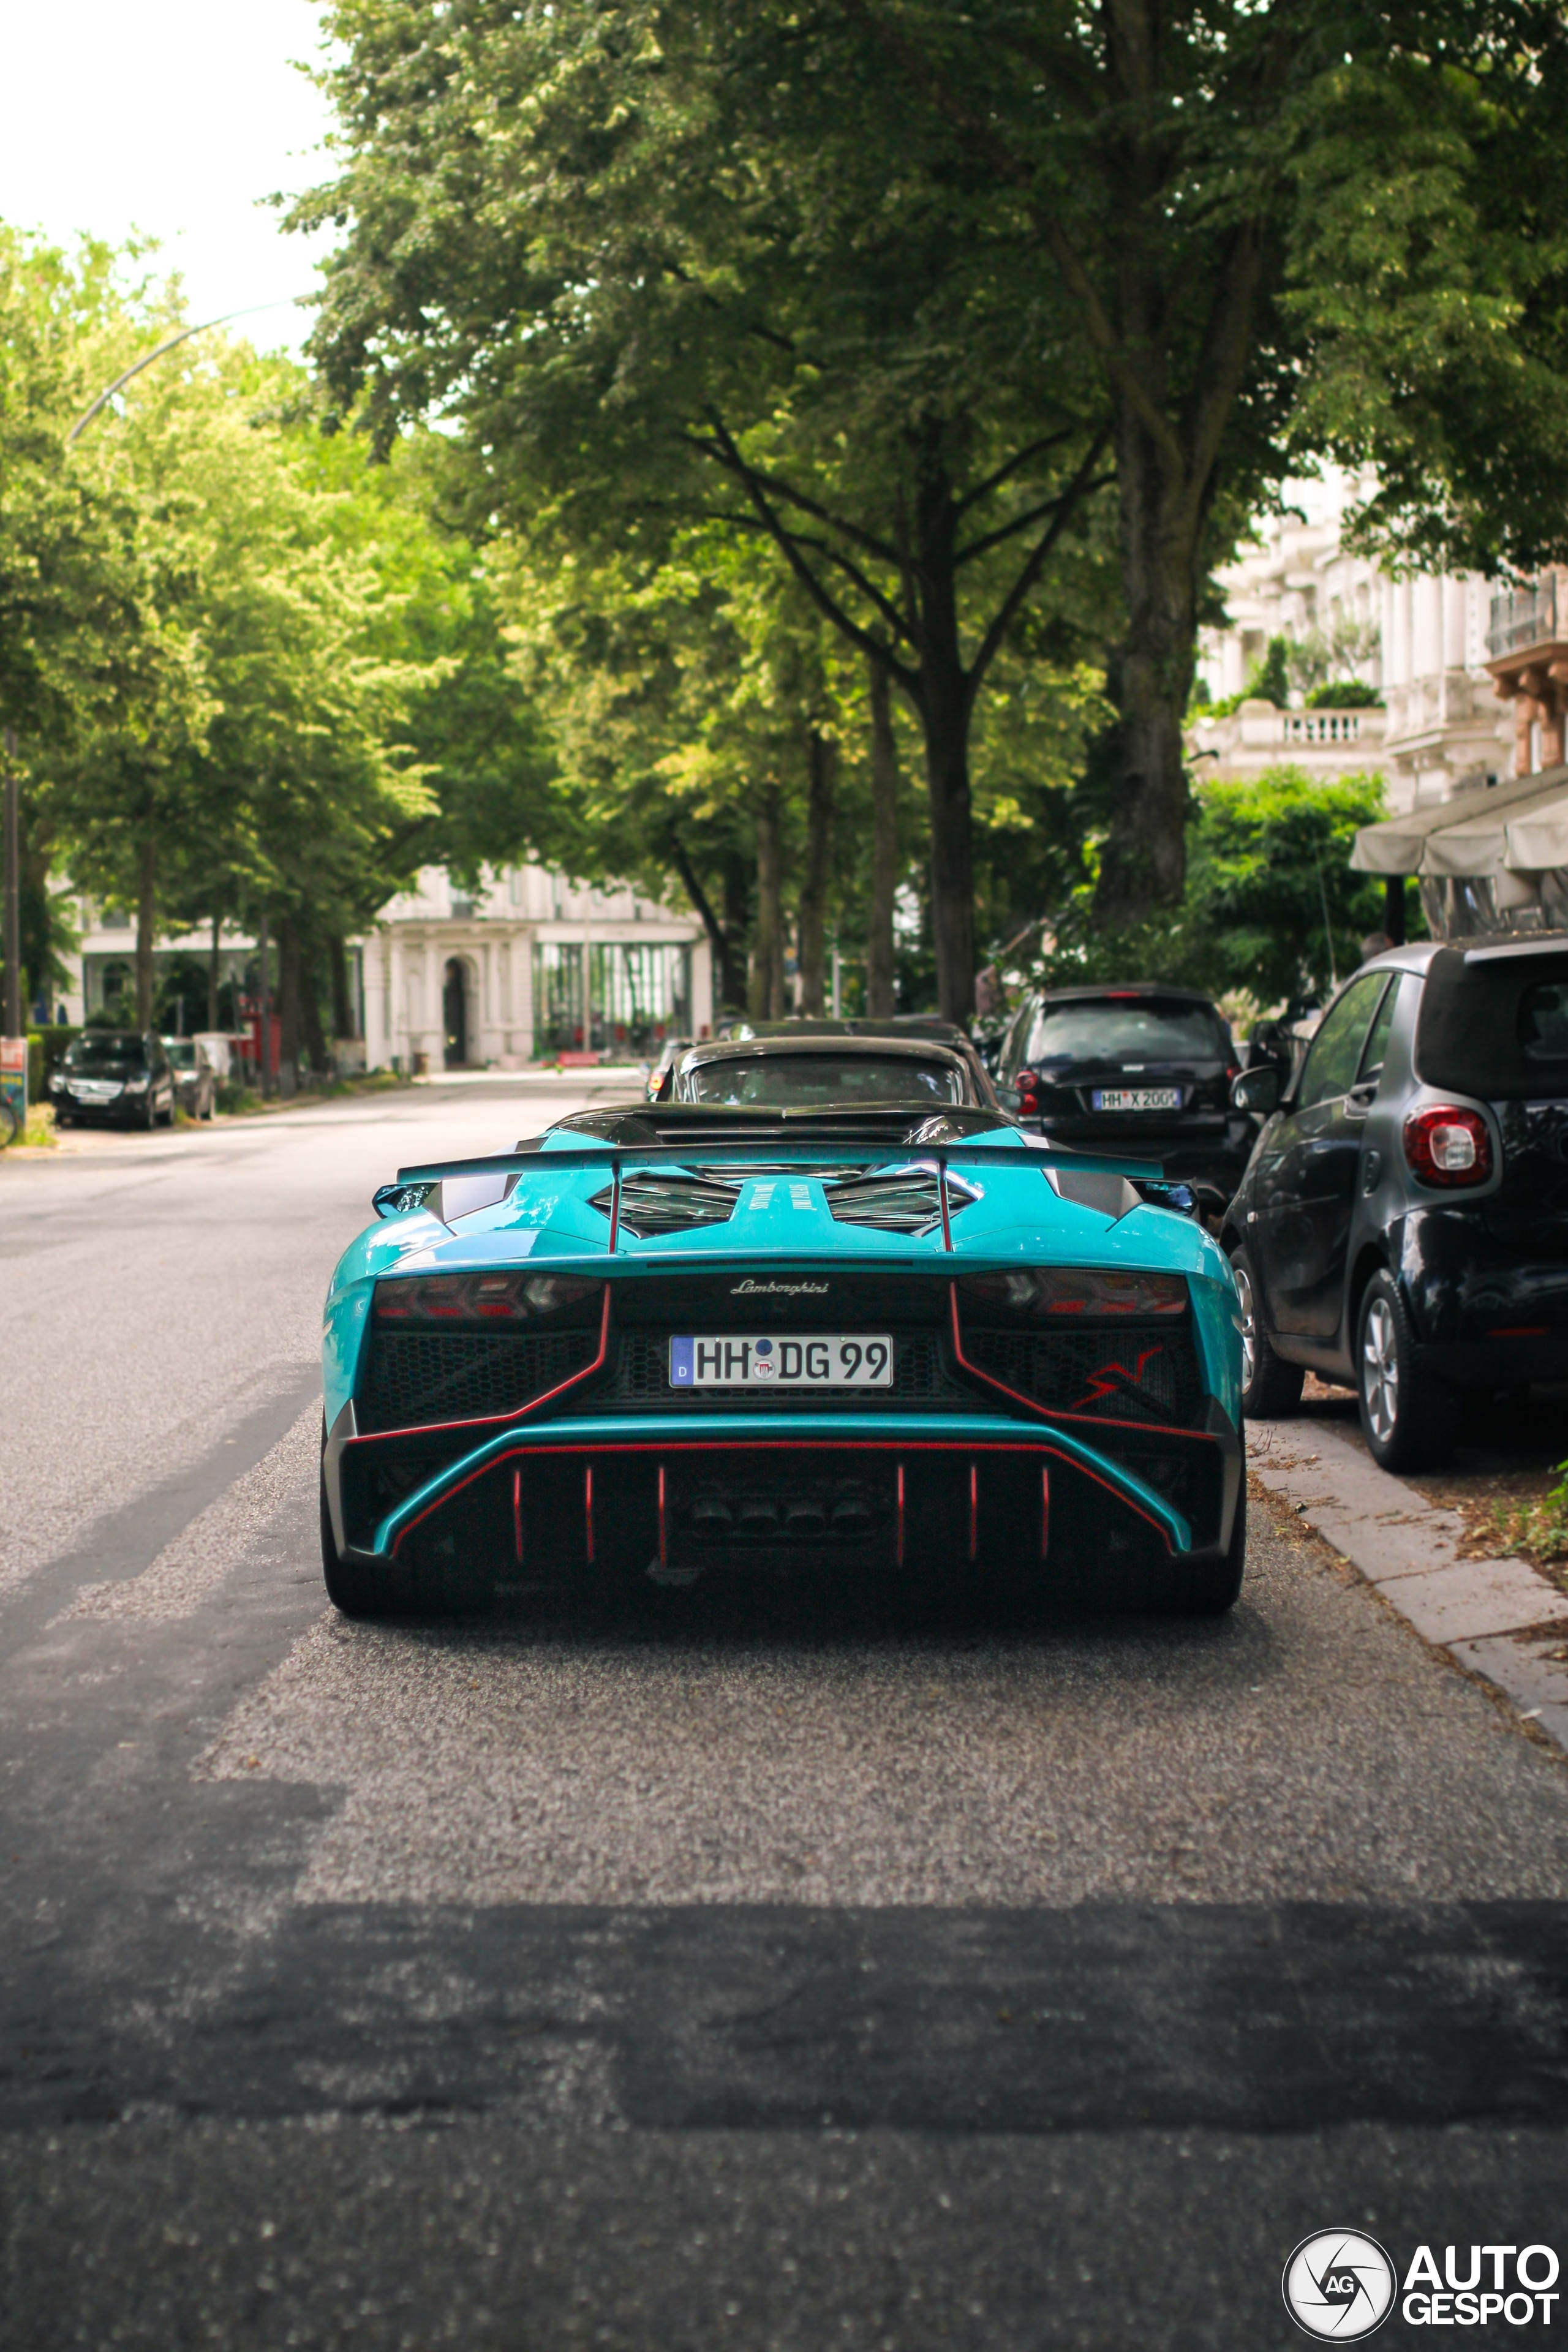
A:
824,1360
1136,1099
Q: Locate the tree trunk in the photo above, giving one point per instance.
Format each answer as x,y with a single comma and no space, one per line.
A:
884,847
766,997
821,759
213,973
146,916
312,1036
692,884
287,1007
946,701
264,995
344,1021
1143,864
952,858
737,924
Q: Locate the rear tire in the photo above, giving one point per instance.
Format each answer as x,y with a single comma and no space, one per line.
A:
1410,1420
350,1586
1270,1388
1208,1587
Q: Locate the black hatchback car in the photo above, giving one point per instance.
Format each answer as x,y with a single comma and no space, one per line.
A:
1402,1227
1141,1069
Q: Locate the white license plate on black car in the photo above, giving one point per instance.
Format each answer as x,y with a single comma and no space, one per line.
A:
1136,1099
824,1360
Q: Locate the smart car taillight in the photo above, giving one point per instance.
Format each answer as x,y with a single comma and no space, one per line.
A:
1449,1146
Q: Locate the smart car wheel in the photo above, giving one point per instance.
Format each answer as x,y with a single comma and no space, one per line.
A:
1269,1386
1410,1420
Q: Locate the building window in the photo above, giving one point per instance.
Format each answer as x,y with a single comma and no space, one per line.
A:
558,1023
637,995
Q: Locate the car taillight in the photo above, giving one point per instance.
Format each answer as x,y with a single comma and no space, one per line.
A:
1080,1290
478,1298
1449,1147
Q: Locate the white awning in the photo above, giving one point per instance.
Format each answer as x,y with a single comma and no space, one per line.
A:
1478,832
1538,838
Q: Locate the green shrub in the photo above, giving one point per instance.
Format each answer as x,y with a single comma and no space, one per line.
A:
1345,694
46,1051
1265,856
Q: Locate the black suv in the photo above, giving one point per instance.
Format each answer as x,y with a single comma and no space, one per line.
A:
1403,1224
1140,1068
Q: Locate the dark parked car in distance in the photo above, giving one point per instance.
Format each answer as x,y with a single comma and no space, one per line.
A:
1402,1227
196,1080
906,1026
114,1076
1137,1068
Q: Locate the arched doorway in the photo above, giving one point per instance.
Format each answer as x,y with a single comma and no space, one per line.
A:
454,1013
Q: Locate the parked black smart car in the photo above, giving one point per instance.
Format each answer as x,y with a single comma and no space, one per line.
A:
116,1076
1403,1224
1140,1068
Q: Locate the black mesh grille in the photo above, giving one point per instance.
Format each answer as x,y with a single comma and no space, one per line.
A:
1136,1372
919,1377
424,1376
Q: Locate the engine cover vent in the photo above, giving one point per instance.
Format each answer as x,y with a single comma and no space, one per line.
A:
898,1200
670,1204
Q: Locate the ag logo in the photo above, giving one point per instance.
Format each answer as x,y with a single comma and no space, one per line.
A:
1339,2285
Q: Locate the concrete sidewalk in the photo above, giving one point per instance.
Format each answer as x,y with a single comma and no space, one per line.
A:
1502,1618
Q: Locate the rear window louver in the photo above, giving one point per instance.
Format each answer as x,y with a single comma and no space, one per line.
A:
898,1200
670,1204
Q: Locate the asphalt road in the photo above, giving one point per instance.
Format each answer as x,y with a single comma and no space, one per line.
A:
728,1978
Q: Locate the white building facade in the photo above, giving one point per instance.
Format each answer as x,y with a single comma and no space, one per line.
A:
530,968
1441,727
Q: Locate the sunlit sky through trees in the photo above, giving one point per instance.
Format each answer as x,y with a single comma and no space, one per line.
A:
172,119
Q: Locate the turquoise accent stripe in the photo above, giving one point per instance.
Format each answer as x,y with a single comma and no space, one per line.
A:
613,1433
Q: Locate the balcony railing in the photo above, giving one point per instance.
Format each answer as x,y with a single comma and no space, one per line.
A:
1536,615
1321,726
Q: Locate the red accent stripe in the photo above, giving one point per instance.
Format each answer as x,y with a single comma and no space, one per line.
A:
1044,1510
588,1506
489,1420
517,1514
795,1446
974,1510
900,1551
663,1527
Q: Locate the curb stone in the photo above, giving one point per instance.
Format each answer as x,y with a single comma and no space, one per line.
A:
1498,1619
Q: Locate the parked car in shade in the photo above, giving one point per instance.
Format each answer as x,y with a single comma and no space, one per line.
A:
113,1077
1141,1069
910,1027
768,1336
1403,1224
196,1080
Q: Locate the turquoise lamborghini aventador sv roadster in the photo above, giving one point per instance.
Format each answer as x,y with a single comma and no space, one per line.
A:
748,1339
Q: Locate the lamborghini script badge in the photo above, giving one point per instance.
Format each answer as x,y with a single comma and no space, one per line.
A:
750,1289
